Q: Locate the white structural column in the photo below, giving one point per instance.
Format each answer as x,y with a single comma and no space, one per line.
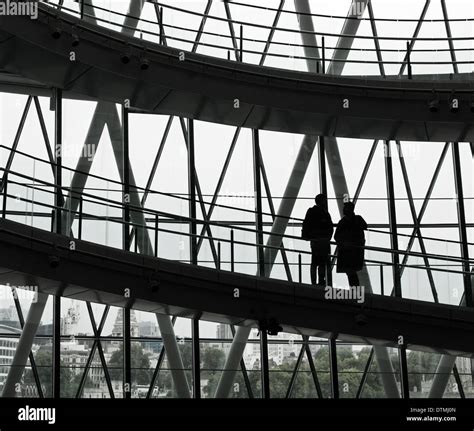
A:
145,246
445,366
174,357
105,114
292,190
336,169
25,343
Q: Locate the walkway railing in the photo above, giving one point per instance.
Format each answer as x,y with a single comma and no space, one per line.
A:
234,250
239,43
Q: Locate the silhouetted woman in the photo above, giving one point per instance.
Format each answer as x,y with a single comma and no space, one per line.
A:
350,241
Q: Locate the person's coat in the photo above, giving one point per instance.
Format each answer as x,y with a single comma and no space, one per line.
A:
350,241
318,228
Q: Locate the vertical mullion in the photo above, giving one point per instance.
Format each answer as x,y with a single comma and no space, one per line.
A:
265,372
58,230
462,223
448,33
127,357
257,169
196,364
126,181
258,201
127,360
402,355
324,190
333,368
392,220
272,33
376,40
196,359
192,194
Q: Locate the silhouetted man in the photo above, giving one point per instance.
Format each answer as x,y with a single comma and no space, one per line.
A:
350,241
318,228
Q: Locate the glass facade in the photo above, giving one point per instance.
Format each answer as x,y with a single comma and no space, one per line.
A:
426,179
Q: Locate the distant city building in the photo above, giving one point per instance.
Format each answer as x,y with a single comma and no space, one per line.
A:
223,331
280,348
9,317
74,356
8,347
117,330
149,328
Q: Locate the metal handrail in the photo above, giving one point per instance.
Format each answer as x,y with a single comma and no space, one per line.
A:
109,203
183,198
344,17
231,48
256,40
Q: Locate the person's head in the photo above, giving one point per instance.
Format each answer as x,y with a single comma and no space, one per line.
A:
321,201
348,209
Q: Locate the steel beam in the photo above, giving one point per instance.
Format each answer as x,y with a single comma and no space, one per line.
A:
97,345
31,357
192,194
232,363
174,357
264,367
458,382
219,184
365,374
198,190
257,182
413,214
16,140
58,203
333,368
106,114
231,30
392,217
445,365
145,247
127,354
127,345
292,190
23,349
415,35
272,32
462,223
201,25
323,186
248,386
332,151
295,372
449,35
373,25
159,363
193,255
314,374
266,184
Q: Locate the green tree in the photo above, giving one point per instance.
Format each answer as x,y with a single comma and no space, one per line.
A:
141,372
43,361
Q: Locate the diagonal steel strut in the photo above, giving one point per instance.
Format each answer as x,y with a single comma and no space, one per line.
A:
292,190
